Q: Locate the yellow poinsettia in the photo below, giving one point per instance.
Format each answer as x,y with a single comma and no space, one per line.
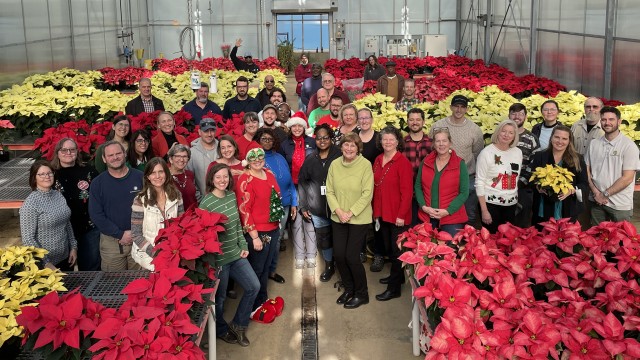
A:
553,178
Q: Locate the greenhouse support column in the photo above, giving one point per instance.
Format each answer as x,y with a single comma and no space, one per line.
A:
487,33
533,36
610,26
458,24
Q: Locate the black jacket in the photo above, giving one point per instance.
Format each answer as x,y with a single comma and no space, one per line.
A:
135,106
287,147
571,207
537,128
242,65
313,175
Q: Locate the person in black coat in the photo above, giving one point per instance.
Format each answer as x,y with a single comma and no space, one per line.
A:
247,64
560,152
137,106
312,201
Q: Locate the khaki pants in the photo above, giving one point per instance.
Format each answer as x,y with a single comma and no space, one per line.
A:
601,213
115,257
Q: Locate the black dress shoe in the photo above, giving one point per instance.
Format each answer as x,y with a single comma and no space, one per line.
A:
385,280
277,278
356,301
346,296
388,295
229,337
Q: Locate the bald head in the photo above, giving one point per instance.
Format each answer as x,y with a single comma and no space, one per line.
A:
323,97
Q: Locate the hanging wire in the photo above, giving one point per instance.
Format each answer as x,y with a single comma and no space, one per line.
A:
188,36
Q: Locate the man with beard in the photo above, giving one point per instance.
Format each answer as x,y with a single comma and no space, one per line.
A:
270,115
110,197
145,102
310,85
203,153
409,99
417,145
467,142
329,84
247,64
264,96
612,161
333,118
528,143
588,128
201,105
322,109
242,102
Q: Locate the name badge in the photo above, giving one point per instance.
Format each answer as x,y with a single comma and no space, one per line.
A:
323,190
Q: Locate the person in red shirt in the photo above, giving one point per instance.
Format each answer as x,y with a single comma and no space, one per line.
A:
392,193
333,118
303,71
260,222
245,141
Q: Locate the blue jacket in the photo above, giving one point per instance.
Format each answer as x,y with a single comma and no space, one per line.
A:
278,166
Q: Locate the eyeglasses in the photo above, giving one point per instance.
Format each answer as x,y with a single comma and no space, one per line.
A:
257,158
269,81
440,129
181,157
550,110
142,141
68,150
323,138
327,81
45,175
266,139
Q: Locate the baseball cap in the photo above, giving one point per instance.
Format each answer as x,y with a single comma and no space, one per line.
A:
207,124
248,54
460,99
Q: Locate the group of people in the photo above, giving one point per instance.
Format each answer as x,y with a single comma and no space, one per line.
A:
337,182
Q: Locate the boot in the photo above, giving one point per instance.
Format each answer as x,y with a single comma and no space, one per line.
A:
240,334
328,272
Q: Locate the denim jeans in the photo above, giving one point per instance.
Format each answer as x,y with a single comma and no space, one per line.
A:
239,270
89,250
451,229
261,261
320,222
304,238
283,223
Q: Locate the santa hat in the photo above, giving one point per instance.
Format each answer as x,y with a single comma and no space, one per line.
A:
299,118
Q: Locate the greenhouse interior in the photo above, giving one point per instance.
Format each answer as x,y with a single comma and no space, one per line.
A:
319,179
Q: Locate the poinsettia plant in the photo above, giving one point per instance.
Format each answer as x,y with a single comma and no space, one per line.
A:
190,241
523,293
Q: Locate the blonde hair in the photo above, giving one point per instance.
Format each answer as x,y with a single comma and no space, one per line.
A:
516,138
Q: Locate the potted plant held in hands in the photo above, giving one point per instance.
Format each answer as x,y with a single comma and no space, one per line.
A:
5,128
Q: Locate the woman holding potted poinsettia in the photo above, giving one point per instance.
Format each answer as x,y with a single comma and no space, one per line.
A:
567,204
73,180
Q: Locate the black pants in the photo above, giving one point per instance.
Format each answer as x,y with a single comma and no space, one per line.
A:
500,215
347,243
390,233
525,199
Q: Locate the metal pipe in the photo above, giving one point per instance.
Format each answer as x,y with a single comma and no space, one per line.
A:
610,26
72,34
533,37
487,33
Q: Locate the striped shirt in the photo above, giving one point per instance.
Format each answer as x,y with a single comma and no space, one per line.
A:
232,241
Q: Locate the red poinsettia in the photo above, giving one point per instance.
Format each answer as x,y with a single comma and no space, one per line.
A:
77,130
454,336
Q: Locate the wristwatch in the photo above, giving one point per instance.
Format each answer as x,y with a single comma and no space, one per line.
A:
606,193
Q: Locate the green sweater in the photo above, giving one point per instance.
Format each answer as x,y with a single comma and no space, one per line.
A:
232,241
350,188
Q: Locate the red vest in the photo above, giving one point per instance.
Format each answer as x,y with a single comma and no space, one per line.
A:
449,187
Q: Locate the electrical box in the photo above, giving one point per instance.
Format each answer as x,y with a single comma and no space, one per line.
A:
392,49
435,45
371,45
339,34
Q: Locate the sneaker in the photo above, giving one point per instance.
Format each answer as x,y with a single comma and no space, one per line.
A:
378,264
363,257
299,263
311,262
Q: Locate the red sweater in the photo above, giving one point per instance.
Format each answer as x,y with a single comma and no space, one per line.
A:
244,146
449,188
254,201
159,143
302,72
393,189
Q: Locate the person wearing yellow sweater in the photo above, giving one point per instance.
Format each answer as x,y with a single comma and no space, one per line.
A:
349,192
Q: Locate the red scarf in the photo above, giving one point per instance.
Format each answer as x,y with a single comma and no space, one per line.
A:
298,157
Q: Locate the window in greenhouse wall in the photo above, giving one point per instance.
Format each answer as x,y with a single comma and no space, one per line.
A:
572,14
308,32
596,16
549,15
547,56
593,67
627,16
570,61
624,78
